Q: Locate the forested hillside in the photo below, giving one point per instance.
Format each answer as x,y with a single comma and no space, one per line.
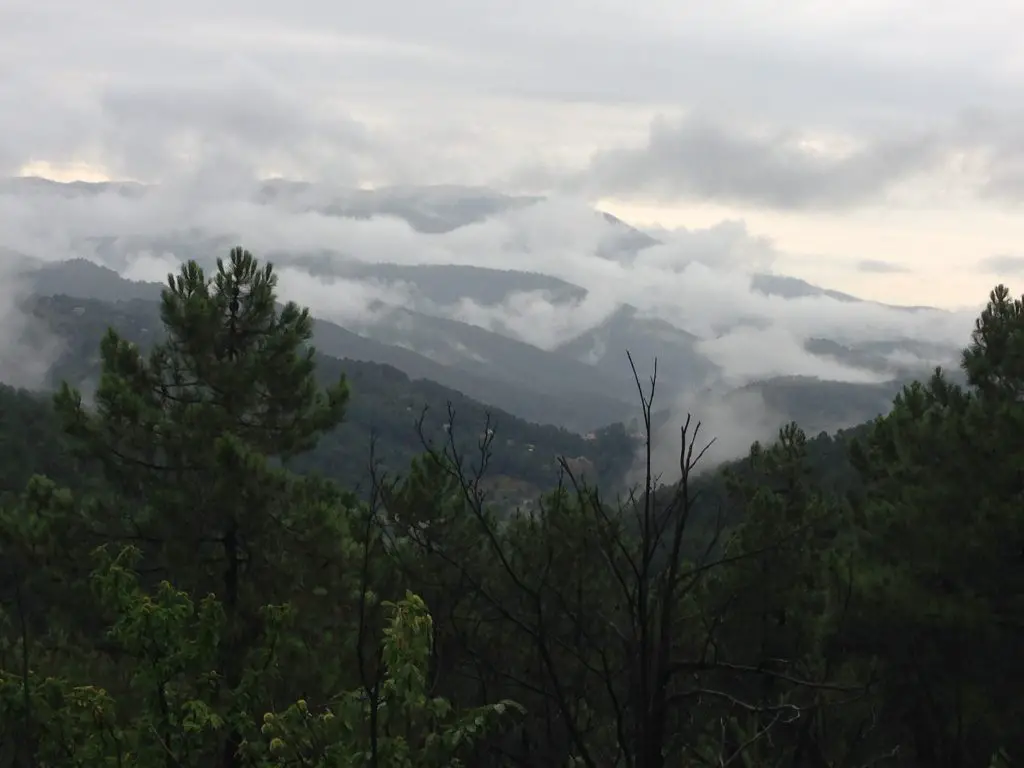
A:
175,594
528,382
386,406
582,384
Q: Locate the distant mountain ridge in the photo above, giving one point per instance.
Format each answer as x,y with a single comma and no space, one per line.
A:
581,382
439,283
83,279
430,209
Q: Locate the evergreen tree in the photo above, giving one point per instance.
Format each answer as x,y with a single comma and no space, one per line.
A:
941,584
192,440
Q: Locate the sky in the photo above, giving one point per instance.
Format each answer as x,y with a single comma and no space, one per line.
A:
875,145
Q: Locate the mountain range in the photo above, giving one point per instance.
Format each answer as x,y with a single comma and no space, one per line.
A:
582,382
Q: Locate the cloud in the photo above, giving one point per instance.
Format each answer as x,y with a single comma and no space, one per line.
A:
732,422
880,267
346,302
534,318
698,159
27,349
750,353
355,92
232,126
698,280
235,124
194,100
990,152
1003,264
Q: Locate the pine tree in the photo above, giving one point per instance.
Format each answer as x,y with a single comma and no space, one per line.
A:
193,440
941,584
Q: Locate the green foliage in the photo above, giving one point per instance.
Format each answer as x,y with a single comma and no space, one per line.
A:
942,528
397,724
174,719
173,644
64,724
31,443
994,360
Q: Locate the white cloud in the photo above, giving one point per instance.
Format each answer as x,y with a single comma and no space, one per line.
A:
730,425
535,318
147,267
748,354
397,91
342,301
697,280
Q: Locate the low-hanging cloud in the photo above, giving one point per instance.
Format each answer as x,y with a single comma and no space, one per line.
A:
727,427
27,348
751,353
697,280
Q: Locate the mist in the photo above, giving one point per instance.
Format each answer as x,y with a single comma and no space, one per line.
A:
698,281
27,350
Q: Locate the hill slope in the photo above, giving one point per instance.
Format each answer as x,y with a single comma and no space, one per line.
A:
582,385
576,398
385,404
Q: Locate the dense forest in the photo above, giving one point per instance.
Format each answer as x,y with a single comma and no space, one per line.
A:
183,585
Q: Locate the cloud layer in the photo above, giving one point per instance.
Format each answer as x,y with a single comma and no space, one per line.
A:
697,280
781,108
698,159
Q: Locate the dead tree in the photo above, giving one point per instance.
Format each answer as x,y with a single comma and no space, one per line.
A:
591,613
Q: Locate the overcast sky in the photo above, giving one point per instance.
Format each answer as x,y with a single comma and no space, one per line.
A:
879,146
